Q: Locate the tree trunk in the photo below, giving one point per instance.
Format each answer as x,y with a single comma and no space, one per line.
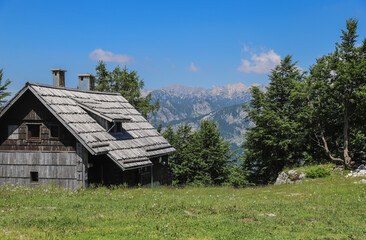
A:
347,158
324,145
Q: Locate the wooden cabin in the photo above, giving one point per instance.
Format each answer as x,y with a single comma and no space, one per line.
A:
72,138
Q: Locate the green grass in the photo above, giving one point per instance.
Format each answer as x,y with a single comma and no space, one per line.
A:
330,208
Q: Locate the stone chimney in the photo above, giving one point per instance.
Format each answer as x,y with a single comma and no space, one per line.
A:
86,82
58,76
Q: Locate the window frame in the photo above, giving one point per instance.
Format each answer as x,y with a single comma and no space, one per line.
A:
39,133
34,177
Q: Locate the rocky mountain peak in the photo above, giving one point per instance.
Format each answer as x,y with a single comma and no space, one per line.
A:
230,91
182,104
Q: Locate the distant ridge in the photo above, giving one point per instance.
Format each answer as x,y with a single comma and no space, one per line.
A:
180,104
225,91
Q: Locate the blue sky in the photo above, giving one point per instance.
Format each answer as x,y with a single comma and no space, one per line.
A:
193,43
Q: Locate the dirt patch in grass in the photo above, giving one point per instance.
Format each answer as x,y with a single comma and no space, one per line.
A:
249,220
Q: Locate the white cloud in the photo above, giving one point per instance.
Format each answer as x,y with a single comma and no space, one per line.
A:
106,56
262,63
245,48
193,68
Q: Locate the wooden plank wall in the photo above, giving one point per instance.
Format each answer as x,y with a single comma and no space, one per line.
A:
82,165
58,168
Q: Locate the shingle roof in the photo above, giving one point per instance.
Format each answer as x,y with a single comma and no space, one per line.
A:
130,149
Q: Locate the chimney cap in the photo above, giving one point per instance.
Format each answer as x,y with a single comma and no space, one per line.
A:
85,75
58,70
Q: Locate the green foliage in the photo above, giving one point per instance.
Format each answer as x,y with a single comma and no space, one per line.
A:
180,160
128,84
306,119
3,88
317,171
336,87
237,177
159,128
202,157
311,210
276,140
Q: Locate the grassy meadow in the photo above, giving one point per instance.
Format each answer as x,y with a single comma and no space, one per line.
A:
330,208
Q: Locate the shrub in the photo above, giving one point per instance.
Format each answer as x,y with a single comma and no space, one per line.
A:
237,177
317,172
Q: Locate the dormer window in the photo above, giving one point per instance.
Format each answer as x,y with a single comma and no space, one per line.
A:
110,124
115,127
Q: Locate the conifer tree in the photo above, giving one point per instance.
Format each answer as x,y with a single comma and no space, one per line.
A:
211,154
3,89
276,139
201,156
180,161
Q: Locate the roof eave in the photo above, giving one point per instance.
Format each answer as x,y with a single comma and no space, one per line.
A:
14,99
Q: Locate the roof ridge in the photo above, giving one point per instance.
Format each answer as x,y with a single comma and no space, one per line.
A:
69,89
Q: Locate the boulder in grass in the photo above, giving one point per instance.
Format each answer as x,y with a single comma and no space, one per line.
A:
359,172
289,177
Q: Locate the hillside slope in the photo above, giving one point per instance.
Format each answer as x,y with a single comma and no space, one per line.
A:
332,208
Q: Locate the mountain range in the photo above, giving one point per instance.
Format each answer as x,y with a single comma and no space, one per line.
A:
180,104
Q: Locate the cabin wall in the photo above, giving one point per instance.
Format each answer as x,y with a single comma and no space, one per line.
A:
104,171
52,168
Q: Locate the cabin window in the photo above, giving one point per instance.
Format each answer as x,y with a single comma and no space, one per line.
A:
34,177
34,131
54,131
13,131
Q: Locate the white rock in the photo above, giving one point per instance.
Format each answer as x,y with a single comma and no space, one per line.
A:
362,173
362,181
361,167
292,172
290,177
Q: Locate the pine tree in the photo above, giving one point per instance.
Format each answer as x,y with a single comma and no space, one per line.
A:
211,154
201,156
276,139
3,89
103,78
180,161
